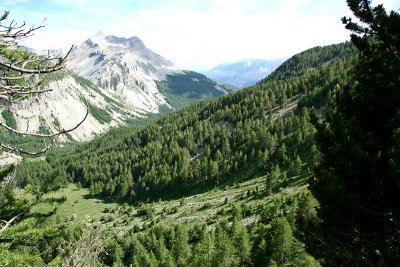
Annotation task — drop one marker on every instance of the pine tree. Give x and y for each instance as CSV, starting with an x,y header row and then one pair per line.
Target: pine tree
x,y
282,241
140,255
358,179
204,251
225,252
180,245
242,242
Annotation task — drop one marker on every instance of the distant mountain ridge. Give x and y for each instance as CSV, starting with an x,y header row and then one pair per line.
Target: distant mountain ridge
x,y
245,72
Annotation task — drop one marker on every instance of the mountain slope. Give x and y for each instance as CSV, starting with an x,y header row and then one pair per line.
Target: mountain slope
x,y
124,67
181,89
254,130
65,107
243,73
121,80
127,68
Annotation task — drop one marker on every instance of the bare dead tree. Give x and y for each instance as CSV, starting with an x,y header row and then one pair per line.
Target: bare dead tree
x,y
86,250
19,77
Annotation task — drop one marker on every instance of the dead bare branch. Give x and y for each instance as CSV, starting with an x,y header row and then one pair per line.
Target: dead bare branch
x,y
17,91
19,32
12,88
9,222
41,64
8,128
21,77
86,250
11,148
17,68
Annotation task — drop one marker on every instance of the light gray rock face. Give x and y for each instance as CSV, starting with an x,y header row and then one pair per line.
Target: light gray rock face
x,y
123,66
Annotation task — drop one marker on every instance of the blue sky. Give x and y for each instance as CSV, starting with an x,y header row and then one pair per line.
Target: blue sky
x,y
194,34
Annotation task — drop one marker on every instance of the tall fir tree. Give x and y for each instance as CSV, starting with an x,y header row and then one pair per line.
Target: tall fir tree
x,y
358,178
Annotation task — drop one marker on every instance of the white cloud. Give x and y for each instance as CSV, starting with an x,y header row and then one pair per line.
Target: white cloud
x,y
225,32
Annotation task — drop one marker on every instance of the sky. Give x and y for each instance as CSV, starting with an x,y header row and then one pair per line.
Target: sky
x,y
194,34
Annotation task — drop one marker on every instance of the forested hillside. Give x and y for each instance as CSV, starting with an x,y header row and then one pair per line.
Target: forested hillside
x,y
262,135
256,131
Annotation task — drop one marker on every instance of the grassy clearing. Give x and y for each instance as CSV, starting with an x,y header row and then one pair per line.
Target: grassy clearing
x,y
77,207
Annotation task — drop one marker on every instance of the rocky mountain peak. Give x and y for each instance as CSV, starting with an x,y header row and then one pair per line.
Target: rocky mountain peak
x,y
132,42
104,41
124,66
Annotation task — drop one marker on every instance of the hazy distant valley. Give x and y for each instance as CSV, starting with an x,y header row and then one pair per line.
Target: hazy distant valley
x,y
243,73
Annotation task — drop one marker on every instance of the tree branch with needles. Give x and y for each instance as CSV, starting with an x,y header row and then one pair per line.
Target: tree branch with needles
x,y
19,71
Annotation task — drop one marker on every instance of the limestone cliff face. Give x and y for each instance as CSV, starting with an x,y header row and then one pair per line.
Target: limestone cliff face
x,y
123,66
64,107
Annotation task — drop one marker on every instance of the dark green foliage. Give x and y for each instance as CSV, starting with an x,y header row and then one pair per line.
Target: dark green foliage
x,y
310,59
226,244
180,248
26,239
162,159
358,180
37,173
28,143
146,210
100,114
196,85
8,116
